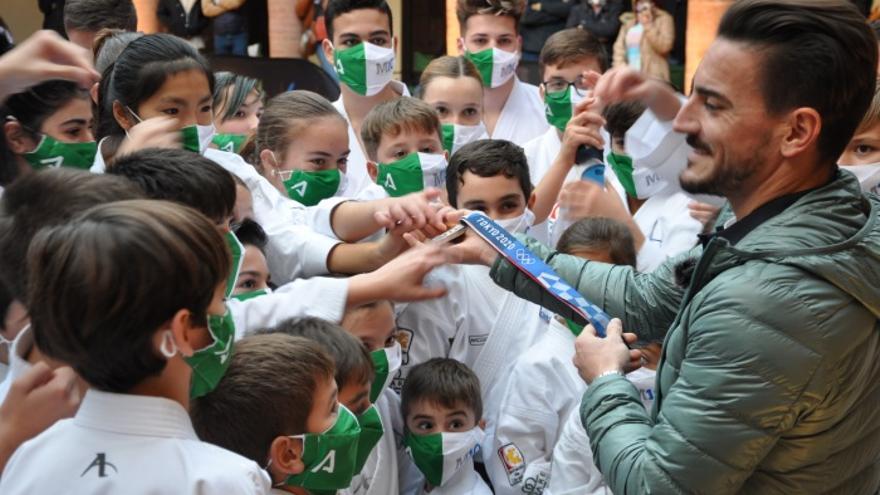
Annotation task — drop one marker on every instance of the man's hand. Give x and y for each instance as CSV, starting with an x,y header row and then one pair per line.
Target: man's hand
x,y
595,355
35,402
626,84
413,211
42,57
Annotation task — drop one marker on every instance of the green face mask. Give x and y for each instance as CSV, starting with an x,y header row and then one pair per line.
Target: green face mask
x,y
574,327
412,173
196,138
371,432
440,455
386,362
237,251
210,364
559,107
365,68
455,136
229,142
244,296
496,66
623,169
329,457
53,153
309,188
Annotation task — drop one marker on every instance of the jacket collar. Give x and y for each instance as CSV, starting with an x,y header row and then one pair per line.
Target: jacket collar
x,y
134,415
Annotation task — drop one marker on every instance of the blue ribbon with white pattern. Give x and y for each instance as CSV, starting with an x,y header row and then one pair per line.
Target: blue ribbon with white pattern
x,y
526,261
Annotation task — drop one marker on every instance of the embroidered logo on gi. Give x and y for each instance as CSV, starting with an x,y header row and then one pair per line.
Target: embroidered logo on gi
x,y
478,339
101,463
535,485
404,337
514,463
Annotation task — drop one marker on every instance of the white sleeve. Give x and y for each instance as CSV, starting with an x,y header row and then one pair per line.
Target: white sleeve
x,y
574,472
296,251
527,426
319,297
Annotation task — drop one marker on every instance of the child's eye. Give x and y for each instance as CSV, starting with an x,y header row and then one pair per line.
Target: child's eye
x,y
428,149
206,109
239,115
509,206
73,133
479,41
441,110
400,154
470,112
456,424
342,161
425,425
247,284
350,42
319,162
171,111
864,149
379,41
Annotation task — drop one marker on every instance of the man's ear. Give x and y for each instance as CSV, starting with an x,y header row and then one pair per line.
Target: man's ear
x,y
285,458
123,116
19,140
327,46
373,170
803,129
532,198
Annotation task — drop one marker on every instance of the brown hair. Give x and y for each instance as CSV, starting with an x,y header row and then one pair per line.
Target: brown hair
x,y
819,54
448,66
102,285
268,391
872,117
598,233
570,46
442,381
353,362
394,117
465,9
285,116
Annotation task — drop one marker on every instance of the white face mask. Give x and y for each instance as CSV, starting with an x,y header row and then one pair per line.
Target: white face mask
x,y
441,456
519,224
868,175
462,135
206,135
496,66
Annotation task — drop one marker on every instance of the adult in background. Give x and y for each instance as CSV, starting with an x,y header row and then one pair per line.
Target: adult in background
x,y
539,21
599,17
645,40
768,382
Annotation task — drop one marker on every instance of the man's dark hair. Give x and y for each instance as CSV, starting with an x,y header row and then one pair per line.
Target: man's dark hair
x,y
353,362
102,285
250,232
336,8
487,158
445,382
94,15
182,177
49,197
571,46
819,54
268,391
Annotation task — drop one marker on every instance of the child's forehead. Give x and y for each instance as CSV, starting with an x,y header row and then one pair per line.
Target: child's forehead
x,y
409,131
491,188
437,409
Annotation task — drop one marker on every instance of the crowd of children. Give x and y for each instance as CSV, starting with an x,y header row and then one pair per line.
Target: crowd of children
x,y
205,290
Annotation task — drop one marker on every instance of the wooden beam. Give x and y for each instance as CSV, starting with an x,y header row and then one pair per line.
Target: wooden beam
x,y
702,25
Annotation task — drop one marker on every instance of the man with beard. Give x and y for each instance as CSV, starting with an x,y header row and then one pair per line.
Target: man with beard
x,y
769,376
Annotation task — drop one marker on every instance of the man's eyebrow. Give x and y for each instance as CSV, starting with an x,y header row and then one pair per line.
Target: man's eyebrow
x,y
711,93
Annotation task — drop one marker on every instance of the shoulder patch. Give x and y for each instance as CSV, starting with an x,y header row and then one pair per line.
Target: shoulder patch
x,y
514,463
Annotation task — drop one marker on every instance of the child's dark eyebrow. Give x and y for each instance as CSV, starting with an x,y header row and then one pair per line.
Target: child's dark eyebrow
x,y
422,416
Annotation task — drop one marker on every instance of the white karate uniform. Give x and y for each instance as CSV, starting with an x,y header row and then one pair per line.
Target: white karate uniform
x,y
522,118
18,364
121,443
319,297
356,173
574,472
544,388
465,482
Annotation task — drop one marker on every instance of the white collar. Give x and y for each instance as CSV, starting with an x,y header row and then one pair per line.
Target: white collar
x,y
21,345
134,415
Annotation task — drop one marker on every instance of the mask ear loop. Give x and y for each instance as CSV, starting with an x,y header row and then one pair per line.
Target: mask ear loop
x,y
168,347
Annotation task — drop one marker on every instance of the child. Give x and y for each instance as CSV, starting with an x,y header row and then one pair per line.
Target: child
x,y
238,105
404,146
44,199
156,273
50,125
490,38
84,18
354,378
544,387
360,42
454,88
253,279
444,428
862,154
276,399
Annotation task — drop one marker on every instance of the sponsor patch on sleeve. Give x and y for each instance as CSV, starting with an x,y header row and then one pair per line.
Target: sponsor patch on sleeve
x,y
514,463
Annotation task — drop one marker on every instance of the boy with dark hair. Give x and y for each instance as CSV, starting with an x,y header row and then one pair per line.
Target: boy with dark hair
x,y
277,397
43,199
490,38
354,377
476,323
361,43
139,336
403,142
443,411
254,278
84,18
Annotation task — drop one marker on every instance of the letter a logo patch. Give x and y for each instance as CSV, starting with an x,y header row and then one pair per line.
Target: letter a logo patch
x,y
101,463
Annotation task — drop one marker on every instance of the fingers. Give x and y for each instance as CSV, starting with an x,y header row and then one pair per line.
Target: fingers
x,y
384,219
412,240
630,338
585,136
423,293
38,375
615,329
